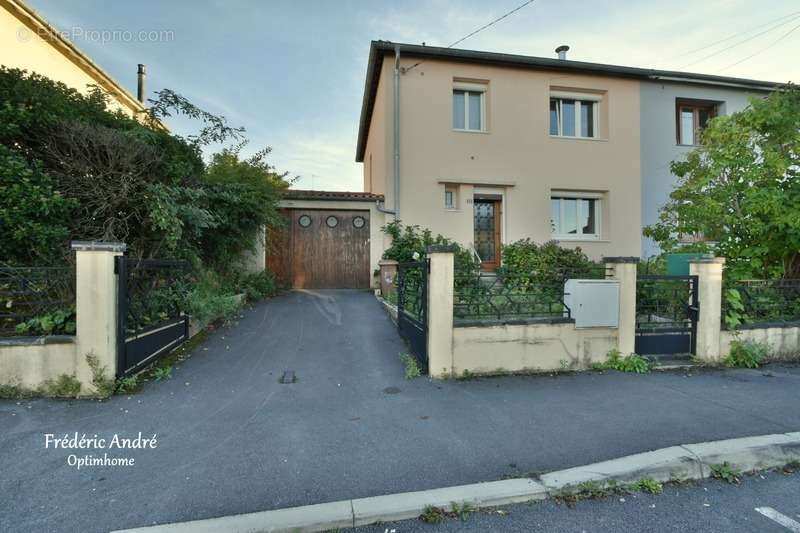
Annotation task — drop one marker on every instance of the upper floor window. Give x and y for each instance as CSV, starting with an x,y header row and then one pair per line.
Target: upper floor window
x,y
575,215
692,118
469,106
574,114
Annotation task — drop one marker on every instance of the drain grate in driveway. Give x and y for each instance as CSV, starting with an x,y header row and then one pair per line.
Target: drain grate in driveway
x,y
288,377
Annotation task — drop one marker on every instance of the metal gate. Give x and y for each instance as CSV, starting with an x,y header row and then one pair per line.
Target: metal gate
x,y
150,320
412,308
666,315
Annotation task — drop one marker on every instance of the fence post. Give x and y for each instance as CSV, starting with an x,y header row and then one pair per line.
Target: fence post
x,y
440,310
96,306
624,270
709,295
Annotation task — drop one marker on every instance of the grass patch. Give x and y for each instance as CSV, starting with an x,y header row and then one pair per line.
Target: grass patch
x,y
411,368
432,515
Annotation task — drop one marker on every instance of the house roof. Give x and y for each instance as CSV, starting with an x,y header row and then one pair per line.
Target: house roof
x,y
378,49
43,29
302,194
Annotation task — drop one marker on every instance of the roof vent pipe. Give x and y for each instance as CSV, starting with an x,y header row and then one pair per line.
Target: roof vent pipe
x,y
562,51
140,84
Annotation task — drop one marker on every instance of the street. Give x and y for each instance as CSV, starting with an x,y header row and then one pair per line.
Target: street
x,y
710,506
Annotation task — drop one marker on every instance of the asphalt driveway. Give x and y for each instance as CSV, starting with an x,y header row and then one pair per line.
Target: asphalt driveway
x,y
231,439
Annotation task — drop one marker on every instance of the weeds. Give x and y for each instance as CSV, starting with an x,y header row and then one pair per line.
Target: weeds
x,y
746,354
726,473
649,485
103,385
64,386
162,372
435,515
128,385
15,392
432,515
630,363
463,510
411,367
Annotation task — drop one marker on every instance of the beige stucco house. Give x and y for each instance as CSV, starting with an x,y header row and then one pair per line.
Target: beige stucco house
x,y
28,42
489,148
492,150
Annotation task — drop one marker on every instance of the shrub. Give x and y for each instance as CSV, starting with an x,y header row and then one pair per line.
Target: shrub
x,y
53,322
257,285
211,298
746,354
630,363
532,265
410,240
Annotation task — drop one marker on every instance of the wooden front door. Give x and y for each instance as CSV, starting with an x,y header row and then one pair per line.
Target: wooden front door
x,y
487,224
322,249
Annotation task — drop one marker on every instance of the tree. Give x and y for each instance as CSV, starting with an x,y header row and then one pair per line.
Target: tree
x,y
740,190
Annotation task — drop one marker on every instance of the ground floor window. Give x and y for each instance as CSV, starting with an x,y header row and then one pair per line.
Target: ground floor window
x,y
575,215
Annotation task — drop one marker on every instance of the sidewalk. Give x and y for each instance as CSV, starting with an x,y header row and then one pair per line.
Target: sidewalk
x,y
233,440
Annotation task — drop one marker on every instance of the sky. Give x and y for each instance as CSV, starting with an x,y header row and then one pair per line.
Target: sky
x,y
291,72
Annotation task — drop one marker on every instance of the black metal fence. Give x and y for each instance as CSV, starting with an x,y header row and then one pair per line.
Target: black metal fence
x,y
667,309
412,308
515,295
37,301
151,316
760,302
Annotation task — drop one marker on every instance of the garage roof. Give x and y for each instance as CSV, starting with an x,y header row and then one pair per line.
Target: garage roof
x,y
303,194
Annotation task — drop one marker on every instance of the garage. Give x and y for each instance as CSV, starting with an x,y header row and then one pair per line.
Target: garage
x,y
325,243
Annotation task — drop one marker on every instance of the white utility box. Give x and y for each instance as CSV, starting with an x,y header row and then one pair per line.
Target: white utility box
x,y
593,302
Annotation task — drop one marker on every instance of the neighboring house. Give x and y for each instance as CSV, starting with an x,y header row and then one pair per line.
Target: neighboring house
x,y
673,110
493,148
28,42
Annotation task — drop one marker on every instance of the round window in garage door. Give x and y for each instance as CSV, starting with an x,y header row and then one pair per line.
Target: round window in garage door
x,y
332,221
358,222
304,221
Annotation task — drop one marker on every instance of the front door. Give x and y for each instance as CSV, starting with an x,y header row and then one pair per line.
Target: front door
x,y
487,232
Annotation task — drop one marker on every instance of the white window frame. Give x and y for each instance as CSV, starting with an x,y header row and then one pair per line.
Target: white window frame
x,y
452,204
467,88
559,96
598,197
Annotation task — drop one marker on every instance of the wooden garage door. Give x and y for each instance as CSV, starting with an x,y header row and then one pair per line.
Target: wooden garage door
x,y
323,249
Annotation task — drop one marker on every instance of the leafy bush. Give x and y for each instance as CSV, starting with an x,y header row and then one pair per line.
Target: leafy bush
x,y
746,354
258,285
533,265
210,299
54,322
410,243
33,213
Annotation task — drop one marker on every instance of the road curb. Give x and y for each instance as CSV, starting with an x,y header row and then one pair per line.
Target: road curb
x,y
687,461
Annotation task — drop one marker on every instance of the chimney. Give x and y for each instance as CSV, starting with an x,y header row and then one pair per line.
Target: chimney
x,y
140,84
562,51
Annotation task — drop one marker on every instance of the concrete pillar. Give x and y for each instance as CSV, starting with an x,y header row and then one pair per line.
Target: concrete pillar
x,y
440,311
255,260
709,295
388,275
96,307
624,270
